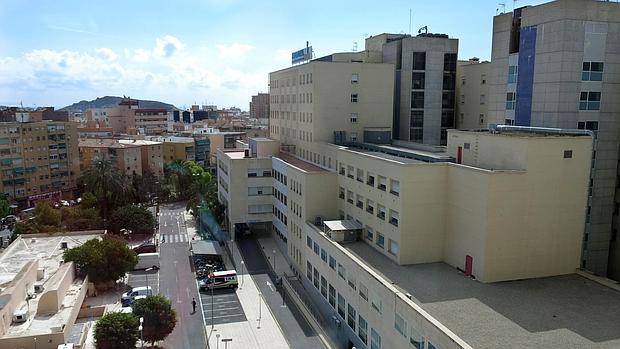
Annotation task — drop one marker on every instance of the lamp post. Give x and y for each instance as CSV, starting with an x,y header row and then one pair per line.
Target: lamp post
x,y
147,270
259,309
141,329
217,336
212,287
274,262
241,274
35,342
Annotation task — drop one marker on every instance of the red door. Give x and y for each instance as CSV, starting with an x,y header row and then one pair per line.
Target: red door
x,y
459,155
469,264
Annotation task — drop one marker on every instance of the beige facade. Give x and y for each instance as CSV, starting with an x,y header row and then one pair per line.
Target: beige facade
x,y
151,154
176,148
472,91
126,157
128,118
38,160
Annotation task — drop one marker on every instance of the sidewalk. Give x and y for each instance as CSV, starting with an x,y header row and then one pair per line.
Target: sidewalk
x,y
251,333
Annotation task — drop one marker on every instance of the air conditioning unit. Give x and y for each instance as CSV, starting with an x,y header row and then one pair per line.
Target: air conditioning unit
x,y
63,245
20,316
38,287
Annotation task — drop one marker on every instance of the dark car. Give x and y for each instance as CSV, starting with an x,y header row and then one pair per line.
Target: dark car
x,y
145,247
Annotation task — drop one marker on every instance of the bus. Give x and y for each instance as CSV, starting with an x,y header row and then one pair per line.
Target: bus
x,y
219,279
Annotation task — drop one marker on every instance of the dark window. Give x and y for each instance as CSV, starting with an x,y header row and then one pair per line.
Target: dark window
x,y
417,99
447,118
449,81
568,154
449,61
588,125
447,100
419,61
417,82
416,135
417,118
590,100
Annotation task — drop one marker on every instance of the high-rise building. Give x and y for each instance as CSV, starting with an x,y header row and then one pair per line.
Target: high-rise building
x,y
38,159
424,84
259,106
472,90
555,65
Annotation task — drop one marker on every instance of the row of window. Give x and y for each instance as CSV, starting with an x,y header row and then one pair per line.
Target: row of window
x,y
381,183
303,80
280,196
370,206
259,173
280,216
588,100
280,177
591,71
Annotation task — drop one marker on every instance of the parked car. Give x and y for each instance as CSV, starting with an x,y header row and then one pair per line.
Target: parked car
x,y
145,247
130,296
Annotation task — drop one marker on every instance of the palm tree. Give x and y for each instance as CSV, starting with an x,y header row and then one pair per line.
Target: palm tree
x,y
106,181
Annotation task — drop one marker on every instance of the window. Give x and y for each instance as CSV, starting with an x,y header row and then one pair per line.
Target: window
x,y
350,171
341,271
360,201
360,175
419,61
512,74
324,287
449,61
417,99
481,118
400,324
394,218
353,97
332,262
309,270
375,339
369,234
417,118
381,211
309,241
417,81
447,100
351,281
416,340
353,117
370,179
350,196
592,71
449,81
341,193
510,100
509,122
382,183
351,316
316,278
355,77
341,305
353,136
431,346
395,187
316,249
590,100
380,240
363,292
483,99
370,206
332,296
324,255
568,154
416,135
363,330
588,125
342,171
393,247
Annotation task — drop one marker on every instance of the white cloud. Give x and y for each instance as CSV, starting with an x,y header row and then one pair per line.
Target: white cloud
x,y
107,53
168,46
141,55
234,51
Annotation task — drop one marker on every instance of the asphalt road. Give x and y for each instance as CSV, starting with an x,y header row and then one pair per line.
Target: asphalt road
x,y
296,329
176,280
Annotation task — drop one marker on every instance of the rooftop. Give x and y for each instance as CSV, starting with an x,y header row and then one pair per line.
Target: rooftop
x,y
568,311
301,164
138,142
103,143
403,155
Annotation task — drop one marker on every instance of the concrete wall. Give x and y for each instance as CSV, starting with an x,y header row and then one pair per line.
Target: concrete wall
x,y
55,290
15,293
472,94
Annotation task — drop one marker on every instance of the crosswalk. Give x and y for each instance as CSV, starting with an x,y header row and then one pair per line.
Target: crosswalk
x,y
173,238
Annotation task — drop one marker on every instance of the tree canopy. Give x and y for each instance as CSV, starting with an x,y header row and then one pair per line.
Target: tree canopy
x,y
116,330
102,260
135,218
107,183
5,206
159,317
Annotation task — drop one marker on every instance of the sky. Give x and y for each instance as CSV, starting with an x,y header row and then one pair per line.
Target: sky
x,y
184,52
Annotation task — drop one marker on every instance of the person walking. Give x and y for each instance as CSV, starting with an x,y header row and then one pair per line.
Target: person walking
x,y
193,305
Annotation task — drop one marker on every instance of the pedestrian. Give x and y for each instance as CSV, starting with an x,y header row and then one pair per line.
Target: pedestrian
x,y
193,305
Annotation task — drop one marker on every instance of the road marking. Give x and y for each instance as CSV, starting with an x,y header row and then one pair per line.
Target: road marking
x,y
270,287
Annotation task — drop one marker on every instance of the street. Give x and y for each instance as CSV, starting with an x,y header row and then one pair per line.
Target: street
x,y
176,280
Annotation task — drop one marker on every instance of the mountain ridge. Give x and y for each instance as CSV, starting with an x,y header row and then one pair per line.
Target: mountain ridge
x,y
111,101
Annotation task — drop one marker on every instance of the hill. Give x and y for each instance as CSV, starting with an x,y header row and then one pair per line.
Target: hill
x,y
111,101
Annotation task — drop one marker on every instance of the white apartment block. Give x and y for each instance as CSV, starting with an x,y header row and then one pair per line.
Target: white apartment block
x,y
472,93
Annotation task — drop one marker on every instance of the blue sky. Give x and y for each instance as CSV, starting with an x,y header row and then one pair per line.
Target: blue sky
x,y
196,51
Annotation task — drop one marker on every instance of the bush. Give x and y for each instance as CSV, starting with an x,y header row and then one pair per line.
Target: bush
x,y
116,331
102,260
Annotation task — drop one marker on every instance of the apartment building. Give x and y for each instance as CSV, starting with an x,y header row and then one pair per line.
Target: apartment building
x,y
126,157
472,92
128,118
221,140
176,148
555,65
259,106
38,159
151,155
424,83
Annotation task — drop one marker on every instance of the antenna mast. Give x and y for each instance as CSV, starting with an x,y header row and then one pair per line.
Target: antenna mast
x,y
409,21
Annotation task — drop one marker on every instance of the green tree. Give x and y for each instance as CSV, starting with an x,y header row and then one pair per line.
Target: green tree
x,y
116,331
89,200
106,182
159,317
46,218
81,218
102,260
135,218
5,206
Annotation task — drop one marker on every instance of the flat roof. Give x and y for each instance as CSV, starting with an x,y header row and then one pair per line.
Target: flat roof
x,y
205,247
103,143
339,225
567,311
399,154
301,164
234,154
138,142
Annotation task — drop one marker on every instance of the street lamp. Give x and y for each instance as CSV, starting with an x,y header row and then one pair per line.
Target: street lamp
x,y
217,336
212,287
141,329
35,342
241,274
274,262
259,309
147,270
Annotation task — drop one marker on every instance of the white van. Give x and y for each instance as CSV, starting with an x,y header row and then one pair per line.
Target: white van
x,y
128,297
148,260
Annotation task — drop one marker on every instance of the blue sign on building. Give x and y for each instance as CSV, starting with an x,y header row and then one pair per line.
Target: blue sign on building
x,y
301,55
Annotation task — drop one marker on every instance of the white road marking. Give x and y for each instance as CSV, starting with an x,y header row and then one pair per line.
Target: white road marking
x,y
270,287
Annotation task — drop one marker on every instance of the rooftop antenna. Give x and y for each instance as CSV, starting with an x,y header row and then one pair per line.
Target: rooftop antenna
x,y
503,8
354,46
514,4
410,21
